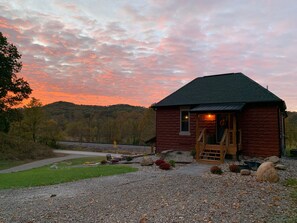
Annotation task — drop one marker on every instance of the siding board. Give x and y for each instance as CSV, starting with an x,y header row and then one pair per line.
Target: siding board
x,y
260,133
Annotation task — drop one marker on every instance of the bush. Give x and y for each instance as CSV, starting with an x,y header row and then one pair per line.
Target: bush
x,y
164,166
172,163
234,168
15,148
114,161
103,162
216,170
159,162
129,158
193,153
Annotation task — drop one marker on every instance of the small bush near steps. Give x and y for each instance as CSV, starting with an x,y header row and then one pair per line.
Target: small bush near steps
x,y
234,168
165,166
172,163
159,162
216,170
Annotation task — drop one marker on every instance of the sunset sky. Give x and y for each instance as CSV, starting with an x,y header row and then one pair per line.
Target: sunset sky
x,y
104,52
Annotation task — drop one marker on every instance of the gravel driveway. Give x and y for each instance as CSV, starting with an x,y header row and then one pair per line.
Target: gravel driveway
x,y
188,193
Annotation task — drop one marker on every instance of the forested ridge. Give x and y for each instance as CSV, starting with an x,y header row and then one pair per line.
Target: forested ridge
x,y
122,123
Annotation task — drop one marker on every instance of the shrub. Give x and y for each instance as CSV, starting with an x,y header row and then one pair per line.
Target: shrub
x,y
129,158
172,163
15,148
216,170
164,166
114,161
103,162
193,153
234,168
159,162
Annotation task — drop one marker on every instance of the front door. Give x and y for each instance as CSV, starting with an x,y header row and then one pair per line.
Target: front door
x,y
222,124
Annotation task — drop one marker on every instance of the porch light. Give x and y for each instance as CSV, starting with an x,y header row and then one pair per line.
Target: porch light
x,y
209,117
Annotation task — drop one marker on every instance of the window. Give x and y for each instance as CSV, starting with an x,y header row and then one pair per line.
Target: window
x,y
184,121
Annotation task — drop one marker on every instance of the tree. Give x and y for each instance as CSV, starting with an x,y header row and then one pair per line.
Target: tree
x,y
12,89
33,117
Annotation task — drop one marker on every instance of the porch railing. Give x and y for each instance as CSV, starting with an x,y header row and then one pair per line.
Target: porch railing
x,y
200,143
224,144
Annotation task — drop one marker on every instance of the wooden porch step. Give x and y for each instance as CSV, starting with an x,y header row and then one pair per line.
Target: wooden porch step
x,y
210,156
211,152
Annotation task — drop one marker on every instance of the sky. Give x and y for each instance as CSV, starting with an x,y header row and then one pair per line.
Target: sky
x,y
103,52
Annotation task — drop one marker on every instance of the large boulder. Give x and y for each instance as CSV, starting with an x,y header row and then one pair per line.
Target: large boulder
x,y
146,161
267,172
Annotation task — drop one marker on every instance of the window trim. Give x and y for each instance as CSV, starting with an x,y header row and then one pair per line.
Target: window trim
x,y
184,133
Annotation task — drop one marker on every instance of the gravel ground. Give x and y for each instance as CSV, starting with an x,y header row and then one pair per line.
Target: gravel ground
x,y
189,193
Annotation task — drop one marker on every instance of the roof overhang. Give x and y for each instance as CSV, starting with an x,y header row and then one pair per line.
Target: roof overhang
x,y
223,107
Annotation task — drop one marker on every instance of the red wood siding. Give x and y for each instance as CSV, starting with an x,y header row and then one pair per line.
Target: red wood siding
x,y
260,131
168,130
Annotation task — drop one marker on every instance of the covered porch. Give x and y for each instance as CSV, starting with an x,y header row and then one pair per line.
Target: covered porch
x,y
217,132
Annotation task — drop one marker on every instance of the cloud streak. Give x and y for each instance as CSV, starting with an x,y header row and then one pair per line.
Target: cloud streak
x,y
137,52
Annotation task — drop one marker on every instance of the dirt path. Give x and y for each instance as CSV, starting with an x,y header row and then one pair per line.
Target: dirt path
x,y
44,162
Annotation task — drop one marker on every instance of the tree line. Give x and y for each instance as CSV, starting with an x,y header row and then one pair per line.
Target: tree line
x,y
48,124
124,124
291,130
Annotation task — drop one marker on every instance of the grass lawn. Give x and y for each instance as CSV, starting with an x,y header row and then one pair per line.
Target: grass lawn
x,y
292,183
67,171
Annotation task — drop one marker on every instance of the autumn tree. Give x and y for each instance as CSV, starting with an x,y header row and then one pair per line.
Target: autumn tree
x,y
12,88
33,117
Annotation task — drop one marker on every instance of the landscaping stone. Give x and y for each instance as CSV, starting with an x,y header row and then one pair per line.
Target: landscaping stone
x,y
146,161
177,156
267,172
54,166
280,167
245,172
108,157
164,153
273,159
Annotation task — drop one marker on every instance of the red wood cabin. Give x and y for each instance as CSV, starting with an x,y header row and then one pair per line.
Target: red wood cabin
x,y
219,115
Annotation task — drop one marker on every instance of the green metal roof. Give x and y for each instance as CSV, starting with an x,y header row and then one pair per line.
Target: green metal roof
x,y
222,88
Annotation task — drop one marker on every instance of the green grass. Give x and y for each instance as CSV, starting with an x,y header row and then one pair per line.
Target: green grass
x,y
66,172
292,182
80,161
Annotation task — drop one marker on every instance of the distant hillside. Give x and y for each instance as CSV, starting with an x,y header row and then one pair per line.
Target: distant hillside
x,y
124,123
70,111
